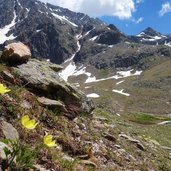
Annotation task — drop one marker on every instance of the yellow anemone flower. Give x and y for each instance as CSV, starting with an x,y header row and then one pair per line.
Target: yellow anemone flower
x,y
3,89
48,141
28,123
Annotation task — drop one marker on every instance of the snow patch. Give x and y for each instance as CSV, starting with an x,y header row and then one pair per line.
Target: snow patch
x,y
93,38
38,30
19,4
87,87
89,31
120,82
152,38
121,92
63,18
164,122
141,34
93,95
28,10
78,37
82,17
41,12
6,29
70,69
120,74
128,73
167,44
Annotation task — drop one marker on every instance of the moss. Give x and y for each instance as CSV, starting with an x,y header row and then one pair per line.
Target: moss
x,y
145,118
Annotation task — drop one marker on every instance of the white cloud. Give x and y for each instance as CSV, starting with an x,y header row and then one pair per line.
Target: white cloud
x,y
139,1
166,7
139,20
120,8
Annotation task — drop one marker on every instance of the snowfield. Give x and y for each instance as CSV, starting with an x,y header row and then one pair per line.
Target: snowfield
x,y
6,29
93,95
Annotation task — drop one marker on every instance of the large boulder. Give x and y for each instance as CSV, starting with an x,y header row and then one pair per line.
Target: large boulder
x,y
42,79
16,53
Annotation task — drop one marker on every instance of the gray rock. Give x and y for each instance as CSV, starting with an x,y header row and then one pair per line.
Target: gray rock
x,y
40,168
137,142
9,131
109,136
43,80
25,104
8,76
66,157
50,103
140,146
55,67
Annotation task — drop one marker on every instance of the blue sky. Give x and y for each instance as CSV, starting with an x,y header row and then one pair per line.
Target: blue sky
x,y
149,12
130,16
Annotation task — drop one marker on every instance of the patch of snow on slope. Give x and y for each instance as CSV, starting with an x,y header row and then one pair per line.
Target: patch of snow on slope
x,y
82,17
82,70
63,18
70,69
120,82
93,38
19,4
152,38
41,12
93,95
38,30
78,37
141,34
121,92
6,29
164,122
28,10
120,74
90,79
128,73
89,31
167,44
87,87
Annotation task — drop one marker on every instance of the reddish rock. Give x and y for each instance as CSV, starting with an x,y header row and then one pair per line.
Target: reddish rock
x,y
16,53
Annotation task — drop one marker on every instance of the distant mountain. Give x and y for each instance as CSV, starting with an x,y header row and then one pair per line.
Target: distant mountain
x,y
152,37
62,36
50,31
151,32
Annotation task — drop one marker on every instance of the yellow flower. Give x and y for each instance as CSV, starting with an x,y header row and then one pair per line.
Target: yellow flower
x,y
3,89
28,123
105,124
48,141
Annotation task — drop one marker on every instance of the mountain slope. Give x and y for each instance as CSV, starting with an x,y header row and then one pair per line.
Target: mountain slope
x,y
100,141
89,50
43,27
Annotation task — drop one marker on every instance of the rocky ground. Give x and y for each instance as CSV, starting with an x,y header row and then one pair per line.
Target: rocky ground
x,y
86,140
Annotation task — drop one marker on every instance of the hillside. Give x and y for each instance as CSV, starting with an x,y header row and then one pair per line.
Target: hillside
x,y
101,140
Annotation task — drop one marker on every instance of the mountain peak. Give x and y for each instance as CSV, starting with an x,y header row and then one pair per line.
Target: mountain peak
x,y
151,32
